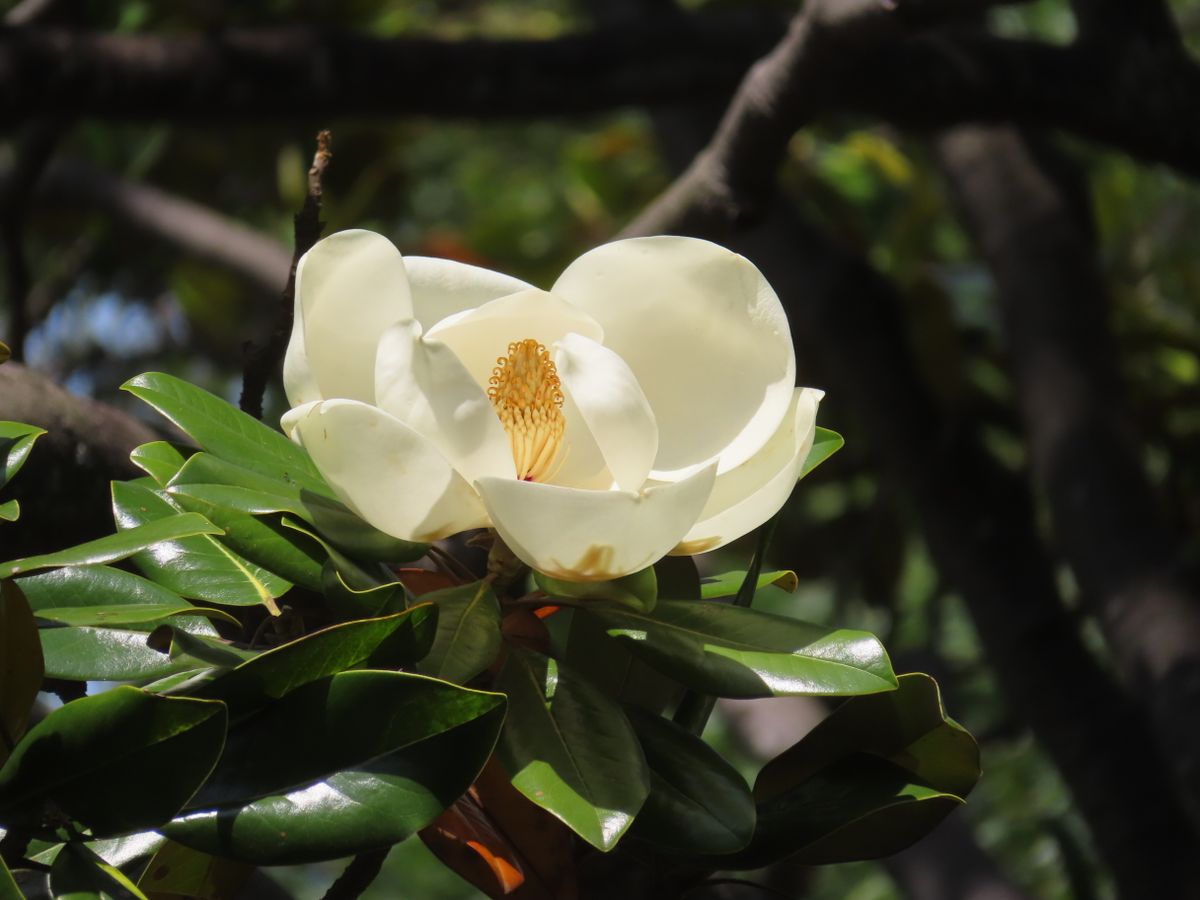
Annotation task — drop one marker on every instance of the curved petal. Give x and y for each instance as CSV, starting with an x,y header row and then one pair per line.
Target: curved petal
x,y
349,287
581,463
443,287
705,335
388,473
423,384
480,336
611,402
290,419
582,535
745,497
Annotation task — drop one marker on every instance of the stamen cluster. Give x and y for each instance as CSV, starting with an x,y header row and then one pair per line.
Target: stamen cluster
x,y
526,393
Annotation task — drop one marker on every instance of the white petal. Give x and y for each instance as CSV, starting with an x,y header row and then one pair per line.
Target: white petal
x,y
387,472
349,287
611,402
745,497
581,464
290,419
480,336
423,384
443,287
705,335
583,535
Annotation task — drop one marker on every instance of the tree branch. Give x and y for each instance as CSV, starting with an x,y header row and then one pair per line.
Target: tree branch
x,y
263,360
1080,434
63,488
189,226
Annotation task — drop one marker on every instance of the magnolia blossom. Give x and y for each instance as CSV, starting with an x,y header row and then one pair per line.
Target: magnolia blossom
x,y
643,406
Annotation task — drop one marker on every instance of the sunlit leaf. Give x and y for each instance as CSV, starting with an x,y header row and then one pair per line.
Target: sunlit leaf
x,y
79,874
730,651
569,748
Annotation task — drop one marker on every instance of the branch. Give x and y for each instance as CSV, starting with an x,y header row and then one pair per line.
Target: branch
x,y
358,875
306,72
1079,430
263,360
63,488
189,226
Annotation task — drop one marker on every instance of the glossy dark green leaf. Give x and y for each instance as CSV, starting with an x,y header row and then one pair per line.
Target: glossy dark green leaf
x,y
225,431
638,591
873,777
390,641
21,665
612,668
698,803
10,511
115,546
210,479
729,651
79,873
570,749
113,654
8,887
825,444
200,567
727,584
130,613
160,459
263,541
468,632
16,441
384,754
119,761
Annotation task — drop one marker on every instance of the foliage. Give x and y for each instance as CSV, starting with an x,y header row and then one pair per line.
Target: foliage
x,y
248,732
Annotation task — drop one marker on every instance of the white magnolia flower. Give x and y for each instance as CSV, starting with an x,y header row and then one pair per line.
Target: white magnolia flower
x,y
642,406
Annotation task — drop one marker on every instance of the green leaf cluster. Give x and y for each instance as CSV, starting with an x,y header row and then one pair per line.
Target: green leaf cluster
x,y
289,695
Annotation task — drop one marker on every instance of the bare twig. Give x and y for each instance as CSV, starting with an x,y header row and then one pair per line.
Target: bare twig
x,y
263,361
357,876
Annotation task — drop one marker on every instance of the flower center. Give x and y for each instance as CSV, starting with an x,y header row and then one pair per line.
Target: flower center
x,y
527,396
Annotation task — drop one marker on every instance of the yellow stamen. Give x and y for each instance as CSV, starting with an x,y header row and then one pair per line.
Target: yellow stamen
x,y
527,396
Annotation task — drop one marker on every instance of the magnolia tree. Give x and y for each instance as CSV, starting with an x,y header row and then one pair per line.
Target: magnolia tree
x,y
292,656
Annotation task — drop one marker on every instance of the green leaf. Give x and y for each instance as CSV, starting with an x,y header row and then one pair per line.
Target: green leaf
x,y
384,754
160,459
825,444
10,511
177,872
112,654
263,541
115,546
21,665
612,668
79,874
390,641
118,761
569,748
873,777
8,887
639,590
16,440
130,613
201,567
730,651
210,479
103,586
468,632
698,803
225,431
727,584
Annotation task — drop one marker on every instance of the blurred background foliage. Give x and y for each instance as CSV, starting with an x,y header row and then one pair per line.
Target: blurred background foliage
x,y
526,197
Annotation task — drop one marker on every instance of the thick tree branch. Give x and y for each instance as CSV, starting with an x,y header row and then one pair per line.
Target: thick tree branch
x,y
189,226
1080,433
317,72
63,488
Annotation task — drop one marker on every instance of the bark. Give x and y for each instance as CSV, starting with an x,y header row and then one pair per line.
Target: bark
x,y
63,487
1086,455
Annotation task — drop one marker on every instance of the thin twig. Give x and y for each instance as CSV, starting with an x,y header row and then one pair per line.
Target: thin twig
x,y
357,877
263,361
